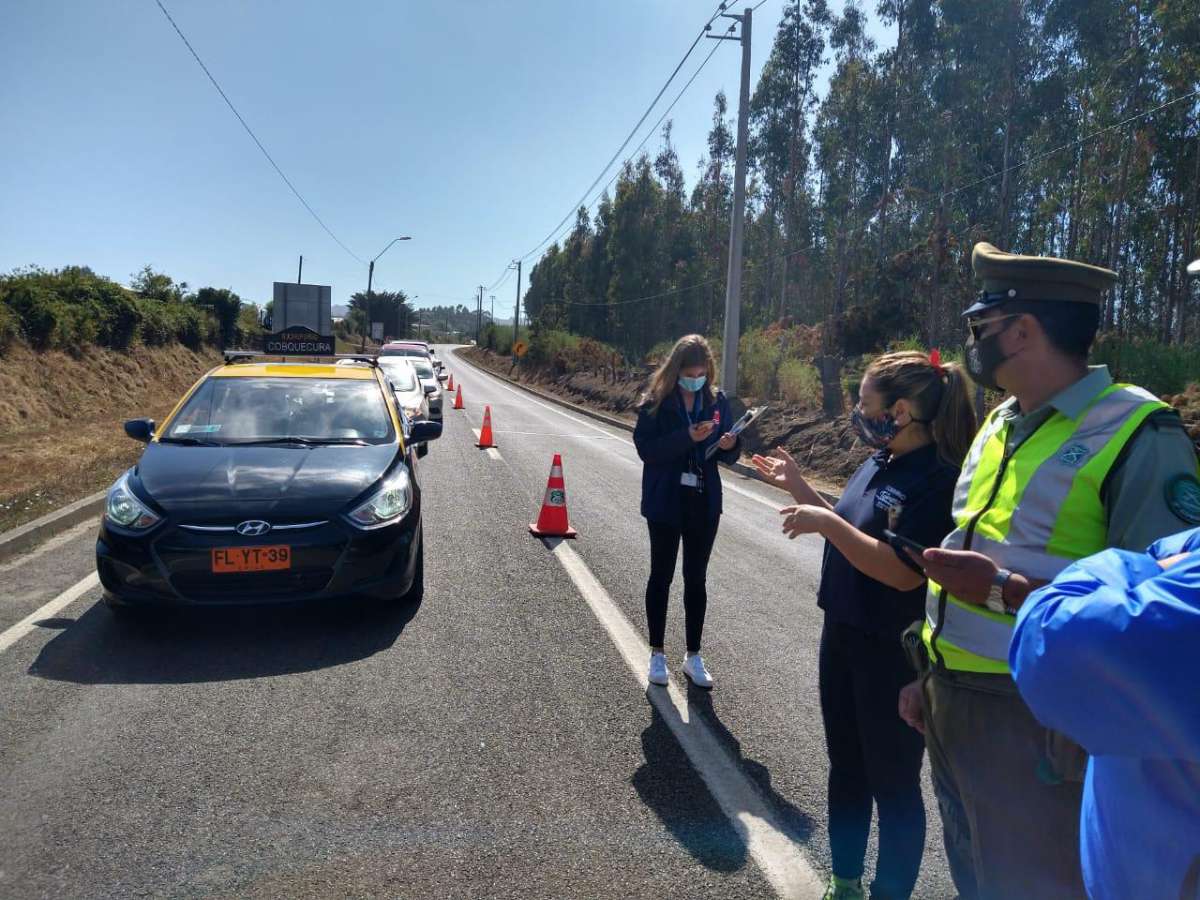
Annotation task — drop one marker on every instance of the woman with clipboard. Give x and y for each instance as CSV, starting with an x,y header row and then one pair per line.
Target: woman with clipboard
x,y
682,414
917,415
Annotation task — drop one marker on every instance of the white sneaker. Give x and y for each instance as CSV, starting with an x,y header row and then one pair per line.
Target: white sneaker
x,y
693,668
658,669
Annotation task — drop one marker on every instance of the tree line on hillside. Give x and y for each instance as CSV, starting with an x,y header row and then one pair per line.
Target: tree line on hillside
x,y
1012,121
73,307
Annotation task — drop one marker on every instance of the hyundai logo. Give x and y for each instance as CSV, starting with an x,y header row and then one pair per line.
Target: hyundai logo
x,y
253,528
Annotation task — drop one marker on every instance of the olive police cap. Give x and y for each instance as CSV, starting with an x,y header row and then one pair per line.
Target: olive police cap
x,y
1010,277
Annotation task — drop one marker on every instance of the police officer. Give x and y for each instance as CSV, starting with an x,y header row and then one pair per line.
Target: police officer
x,y
1070,464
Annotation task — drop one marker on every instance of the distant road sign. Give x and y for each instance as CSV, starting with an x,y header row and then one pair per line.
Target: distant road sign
x,y
519,348
377,331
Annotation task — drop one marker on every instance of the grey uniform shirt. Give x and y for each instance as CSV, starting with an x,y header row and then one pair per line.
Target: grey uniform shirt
x,y
1136,492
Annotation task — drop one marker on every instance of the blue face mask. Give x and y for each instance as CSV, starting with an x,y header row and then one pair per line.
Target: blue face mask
x,y
692,384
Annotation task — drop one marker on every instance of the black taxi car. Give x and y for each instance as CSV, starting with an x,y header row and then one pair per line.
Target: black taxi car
x,y
269,482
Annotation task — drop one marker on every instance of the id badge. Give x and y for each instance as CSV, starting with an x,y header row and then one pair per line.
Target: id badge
x,y
690,479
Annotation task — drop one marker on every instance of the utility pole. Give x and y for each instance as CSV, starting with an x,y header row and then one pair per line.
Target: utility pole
x,y
479,320
493,296
300,272
517,308
733,283
362,346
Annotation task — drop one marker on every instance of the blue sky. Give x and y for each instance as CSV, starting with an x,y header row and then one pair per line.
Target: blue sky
x,y
472,126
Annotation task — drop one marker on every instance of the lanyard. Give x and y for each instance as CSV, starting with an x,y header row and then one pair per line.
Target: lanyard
x,y
692,417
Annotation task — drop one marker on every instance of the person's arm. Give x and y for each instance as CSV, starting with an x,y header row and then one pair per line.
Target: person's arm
x,y
1135,493
653,447
874,558
729,448
1107,654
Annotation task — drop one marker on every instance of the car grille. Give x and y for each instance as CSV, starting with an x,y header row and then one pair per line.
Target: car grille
x,y
206,587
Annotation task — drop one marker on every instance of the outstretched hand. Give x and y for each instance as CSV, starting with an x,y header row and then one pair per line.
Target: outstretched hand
x,y
779,468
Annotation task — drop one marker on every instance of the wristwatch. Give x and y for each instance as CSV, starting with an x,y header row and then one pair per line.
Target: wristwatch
x,y
995,598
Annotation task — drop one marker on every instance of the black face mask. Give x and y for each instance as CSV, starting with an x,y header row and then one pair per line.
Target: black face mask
x,y
984,357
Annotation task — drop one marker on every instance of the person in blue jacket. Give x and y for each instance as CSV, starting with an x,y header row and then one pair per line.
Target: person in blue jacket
x,y
1109,654
681,415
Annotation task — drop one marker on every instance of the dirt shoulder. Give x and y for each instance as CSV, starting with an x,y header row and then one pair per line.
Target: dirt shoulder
x,y
61,435
827,449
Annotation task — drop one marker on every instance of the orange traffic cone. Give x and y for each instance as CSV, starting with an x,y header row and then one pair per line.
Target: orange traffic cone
x,y
552,521
458,404
485,433
450,383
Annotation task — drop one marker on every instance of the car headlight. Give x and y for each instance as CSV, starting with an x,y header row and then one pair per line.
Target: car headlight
x,y
123,508
388,504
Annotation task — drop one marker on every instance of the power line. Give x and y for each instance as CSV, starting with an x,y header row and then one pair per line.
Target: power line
x,y
629,137
653,130
253,136
849,232
1077,143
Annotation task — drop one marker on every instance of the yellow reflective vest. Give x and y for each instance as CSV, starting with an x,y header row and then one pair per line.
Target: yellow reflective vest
x,y
1033,509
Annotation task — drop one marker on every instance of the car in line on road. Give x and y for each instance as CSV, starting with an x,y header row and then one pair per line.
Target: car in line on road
x,y
411,394
430,383
269,482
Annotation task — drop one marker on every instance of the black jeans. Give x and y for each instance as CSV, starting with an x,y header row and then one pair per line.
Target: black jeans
x,y
874,758
697,535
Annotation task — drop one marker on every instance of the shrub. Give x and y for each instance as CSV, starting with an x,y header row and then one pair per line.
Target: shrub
x,y
10,327
799,383
1160,368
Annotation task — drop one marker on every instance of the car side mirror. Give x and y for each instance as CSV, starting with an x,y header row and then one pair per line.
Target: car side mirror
x,y
140,429
424,430
431,388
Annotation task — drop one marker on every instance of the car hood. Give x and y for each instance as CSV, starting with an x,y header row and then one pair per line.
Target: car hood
x,y
283,481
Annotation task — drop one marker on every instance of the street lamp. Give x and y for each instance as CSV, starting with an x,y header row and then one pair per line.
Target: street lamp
x,y
370,276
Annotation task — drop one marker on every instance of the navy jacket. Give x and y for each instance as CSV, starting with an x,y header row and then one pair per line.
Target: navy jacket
x,y
663,443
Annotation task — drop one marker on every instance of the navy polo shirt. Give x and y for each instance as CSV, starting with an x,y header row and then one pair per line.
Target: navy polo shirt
x,y
922,485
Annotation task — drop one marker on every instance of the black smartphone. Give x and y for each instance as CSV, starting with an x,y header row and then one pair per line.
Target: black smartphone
x,y
900,542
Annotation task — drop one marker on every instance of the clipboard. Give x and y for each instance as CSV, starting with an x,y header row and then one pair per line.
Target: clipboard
x,y
738,427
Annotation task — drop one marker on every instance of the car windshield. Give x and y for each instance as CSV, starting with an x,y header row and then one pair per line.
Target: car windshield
x,y
424,368
402,351
400,373
313,410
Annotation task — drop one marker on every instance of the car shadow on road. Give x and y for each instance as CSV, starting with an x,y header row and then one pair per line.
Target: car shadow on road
x,y
670,786
219,644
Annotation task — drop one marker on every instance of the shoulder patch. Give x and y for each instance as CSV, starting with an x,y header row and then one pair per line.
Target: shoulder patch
x,y
1183,498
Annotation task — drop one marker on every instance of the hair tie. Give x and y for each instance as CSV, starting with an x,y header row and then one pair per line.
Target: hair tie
x,y
935,360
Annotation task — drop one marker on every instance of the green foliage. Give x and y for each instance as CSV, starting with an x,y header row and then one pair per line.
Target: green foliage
x,y
10,327
226,307
799,383
844,227
1162,369
70,308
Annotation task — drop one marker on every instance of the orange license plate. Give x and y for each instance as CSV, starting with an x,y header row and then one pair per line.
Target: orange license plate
x,y
251,559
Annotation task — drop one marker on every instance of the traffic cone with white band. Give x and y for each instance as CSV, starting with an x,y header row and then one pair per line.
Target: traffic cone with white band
x,y
552,521
458,404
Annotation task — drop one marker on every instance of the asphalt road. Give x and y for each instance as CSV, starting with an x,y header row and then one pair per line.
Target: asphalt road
x,y
496,741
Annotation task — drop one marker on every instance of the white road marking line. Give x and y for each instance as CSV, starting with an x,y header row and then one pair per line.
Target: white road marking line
x,y
737,489
781,860
15,632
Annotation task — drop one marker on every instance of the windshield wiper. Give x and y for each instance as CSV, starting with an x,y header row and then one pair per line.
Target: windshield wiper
x,y
189,441
305,442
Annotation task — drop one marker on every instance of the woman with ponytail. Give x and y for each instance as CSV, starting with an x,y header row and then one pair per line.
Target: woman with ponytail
x,y
916,412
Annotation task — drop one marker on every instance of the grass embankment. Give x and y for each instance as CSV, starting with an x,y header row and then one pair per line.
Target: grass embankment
x,y
61,435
